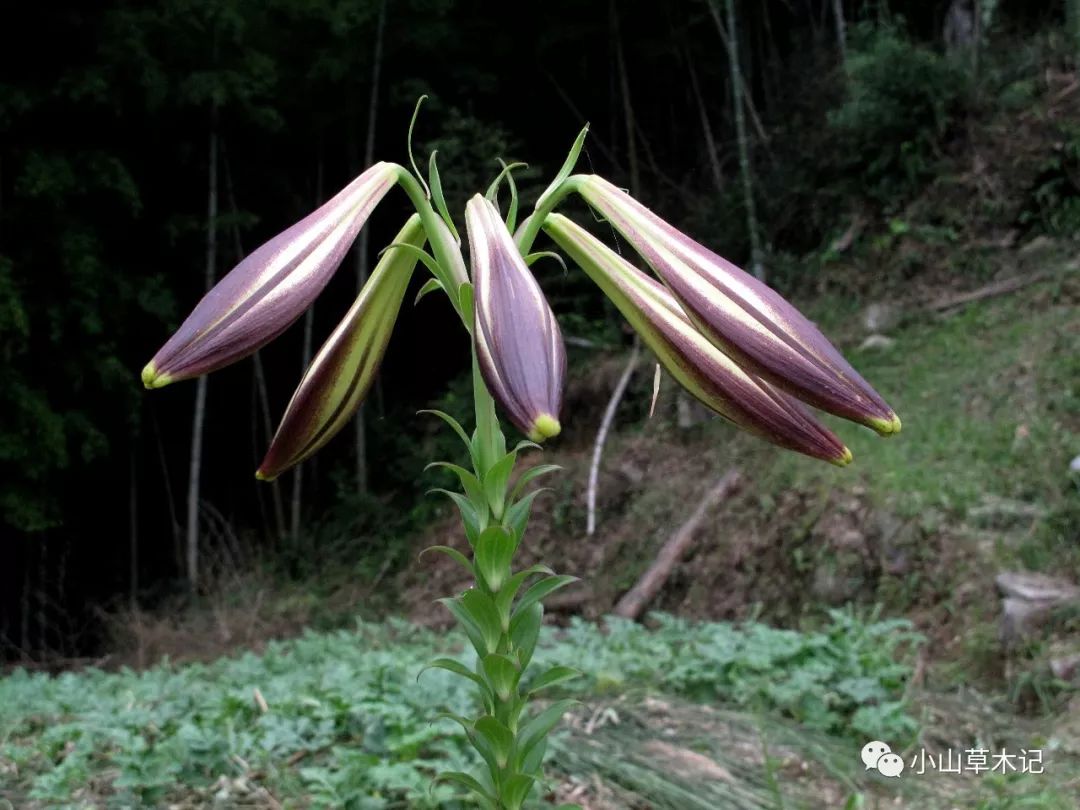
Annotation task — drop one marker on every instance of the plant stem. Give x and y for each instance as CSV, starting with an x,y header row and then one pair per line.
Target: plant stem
x,y
530,228
487,423
444,249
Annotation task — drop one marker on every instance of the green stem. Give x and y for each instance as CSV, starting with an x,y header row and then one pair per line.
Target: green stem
x,y
530,228
487,422
445,249
510,742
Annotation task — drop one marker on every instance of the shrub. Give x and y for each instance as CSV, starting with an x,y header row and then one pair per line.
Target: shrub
x,y
901,97
1053,205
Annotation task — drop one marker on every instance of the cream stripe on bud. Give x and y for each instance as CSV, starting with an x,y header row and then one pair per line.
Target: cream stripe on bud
x,y
702,369
271,287
519,346
742,316
341,374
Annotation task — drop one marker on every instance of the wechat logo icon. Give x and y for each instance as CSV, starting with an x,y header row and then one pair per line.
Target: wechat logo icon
x,y
877,756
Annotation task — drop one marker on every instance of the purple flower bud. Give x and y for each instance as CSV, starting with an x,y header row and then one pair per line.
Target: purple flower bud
x,y
703,370
742,316
341,374
519,346
271,287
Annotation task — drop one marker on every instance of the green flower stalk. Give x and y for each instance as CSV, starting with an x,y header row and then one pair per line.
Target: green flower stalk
x,y
518,342
341,374
262,296
743,317
730,341
707,373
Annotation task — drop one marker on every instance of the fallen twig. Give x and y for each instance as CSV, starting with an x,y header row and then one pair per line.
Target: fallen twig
x,y
649,585
989,291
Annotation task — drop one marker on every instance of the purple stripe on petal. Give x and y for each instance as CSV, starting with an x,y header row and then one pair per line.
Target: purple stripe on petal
x,y
741,315
272,286
706,372
342,372
519,346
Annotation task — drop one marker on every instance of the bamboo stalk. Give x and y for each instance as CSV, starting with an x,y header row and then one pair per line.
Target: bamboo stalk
x,y
601,437
199,416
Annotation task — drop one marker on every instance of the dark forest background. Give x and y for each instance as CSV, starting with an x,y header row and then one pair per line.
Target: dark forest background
x,y
109,115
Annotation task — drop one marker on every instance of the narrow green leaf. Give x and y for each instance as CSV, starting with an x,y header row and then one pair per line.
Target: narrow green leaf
x,y
430,285
567,167
482,610
418,253
465,299
412,160
513,710
496,451
505,597
469,783
492,192
524,633
469,482
553,676
474,520
467,622
539,590
464,722
494,551
437,196
502,674
533,732
532,258
495,483
458,668
516,517
530,475
516,790
532,762
466,781
525,443
453,554
498,736
512,211
453,423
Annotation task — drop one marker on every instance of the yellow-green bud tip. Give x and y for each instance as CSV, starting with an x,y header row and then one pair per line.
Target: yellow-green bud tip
x,y
844,459
261,476
151,378
886,427
545,427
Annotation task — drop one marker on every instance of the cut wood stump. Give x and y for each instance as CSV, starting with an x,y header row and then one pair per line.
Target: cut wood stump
x,y
634,602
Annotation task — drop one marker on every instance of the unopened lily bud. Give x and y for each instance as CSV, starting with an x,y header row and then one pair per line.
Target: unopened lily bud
x,y
271,287
341,374
519,346
743,317
703,370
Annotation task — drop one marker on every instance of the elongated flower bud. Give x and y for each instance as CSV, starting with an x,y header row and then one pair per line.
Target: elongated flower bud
x,y
703,370
519,346
742,316
341,374
259,298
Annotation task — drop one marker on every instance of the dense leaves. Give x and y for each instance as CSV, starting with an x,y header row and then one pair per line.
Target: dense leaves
x,y
342,720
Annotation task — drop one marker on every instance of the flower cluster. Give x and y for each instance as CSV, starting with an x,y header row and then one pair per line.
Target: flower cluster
x,y
727,338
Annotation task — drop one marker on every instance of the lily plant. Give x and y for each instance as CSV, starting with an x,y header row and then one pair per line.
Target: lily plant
x,y
728,339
